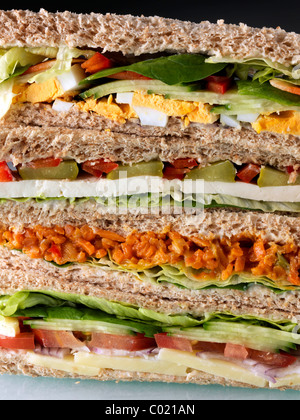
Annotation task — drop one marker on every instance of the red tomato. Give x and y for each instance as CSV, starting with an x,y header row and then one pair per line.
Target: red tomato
x,y
61,339
175,343
96,63
236,351
5,173
209,347
97,167
22,341
174,173
178,168
121,342
248,172
218,84
184,163
273,359
44,163
128,75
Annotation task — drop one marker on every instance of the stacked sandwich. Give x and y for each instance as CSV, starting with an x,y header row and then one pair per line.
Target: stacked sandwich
x,y
150,199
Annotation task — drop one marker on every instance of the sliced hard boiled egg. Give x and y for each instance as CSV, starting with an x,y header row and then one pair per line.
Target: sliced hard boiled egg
x,y
249,118
62,106
150,116
124,98
70,79
230,121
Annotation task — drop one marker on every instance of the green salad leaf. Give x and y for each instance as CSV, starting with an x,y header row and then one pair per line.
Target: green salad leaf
x,y
266,91
78,307
172,70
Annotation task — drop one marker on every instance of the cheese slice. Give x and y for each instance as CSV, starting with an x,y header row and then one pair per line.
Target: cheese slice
x,y
288,380
95,187
223,368
67,364
131,364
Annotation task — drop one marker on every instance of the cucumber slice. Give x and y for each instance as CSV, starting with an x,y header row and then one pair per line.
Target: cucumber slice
x,y
219,171
270,177
120,86
67,169
153,168
79,325
254,337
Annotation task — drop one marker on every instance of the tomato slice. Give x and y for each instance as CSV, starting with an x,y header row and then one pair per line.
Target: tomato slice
x,y
5,173
44,163
176,343
236,351
279,360
248,172
22,341
98,167
128,75
178,168
96,63
218,84
184,163
209,347
60,339
121,342
174,173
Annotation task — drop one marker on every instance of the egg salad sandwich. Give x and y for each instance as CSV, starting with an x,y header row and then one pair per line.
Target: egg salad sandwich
x,y
149,201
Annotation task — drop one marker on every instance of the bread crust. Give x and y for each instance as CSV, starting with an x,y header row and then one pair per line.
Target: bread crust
x,y
30,130
133,35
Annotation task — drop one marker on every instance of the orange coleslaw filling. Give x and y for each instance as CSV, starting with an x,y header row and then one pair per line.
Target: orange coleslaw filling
x,y
214,258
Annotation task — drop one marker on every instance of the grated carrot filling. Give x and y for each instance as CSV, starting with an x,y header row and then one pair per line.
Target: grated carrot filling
x,y
214,258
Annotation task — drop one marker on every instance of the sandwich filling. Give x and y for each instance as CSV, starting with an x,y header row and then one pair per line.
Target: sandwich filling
x,y
193,262
85,335
192,87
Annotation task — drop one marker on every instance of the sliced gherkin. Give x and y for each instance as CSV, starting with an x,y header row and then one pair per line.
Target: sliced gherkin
x,y
153,168
270,177
219,171
67,169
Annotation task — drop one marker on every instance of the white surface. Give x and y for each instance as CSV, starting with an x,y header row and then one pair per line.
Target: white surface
x,y
26,388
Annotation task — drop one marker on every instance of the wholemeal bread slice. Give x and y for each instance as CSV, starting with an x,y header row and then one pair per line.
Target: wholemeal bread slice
x,y
28,131
19,271
131,35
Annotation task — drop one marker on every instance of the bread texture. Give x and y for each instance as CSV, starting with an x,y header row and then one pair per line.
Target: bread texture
x,y
19,272
133,35
28,131
218,222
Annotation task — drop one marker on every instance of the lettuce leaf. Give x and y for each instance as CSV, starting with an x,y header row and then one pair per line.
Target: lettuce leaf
x,y
14,58
63,63
71,306
172,70
290,71
266,91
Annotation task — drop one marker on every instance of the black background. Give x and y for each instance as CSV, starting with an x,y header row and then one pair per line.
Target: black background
x,y
252,12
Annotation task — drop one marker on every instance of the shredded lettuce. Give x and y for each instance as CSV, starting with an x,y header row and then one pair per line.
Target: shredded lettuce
x,y
14,58
153,200
290,71
63,63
